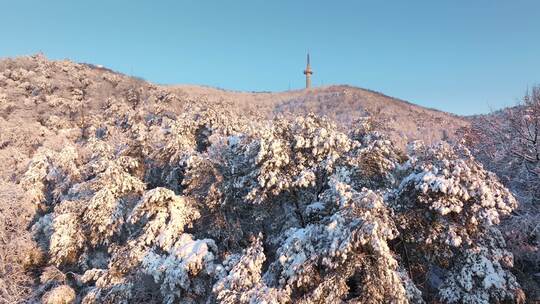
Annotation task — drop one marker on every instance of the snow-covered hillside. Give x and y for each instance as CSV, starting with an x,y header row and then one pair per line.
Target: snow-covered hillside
x,y
115,190
403,121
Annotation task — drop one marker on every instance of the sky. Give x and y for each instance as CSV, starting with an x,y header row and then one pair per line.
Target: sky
x,y
465,57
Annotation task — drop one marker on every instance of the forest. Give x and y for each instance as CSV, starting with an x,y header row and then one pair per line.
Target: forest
x,y
116,190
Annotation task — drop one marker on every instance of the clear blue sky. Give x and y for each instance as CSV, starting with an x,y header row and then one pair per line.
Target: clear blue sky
x,y
460,56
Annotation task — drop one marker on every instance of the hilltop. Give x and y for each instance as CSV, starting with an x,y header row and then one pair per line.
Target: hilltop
x,y
404,121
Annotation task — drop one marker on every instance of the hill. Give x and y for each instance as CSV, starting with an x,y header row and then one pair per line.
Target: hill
x,y
404,121
116,190
44,95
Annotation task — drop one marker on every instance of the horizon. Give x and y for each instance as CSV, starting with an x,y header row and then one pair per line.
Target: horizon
x,y
460,57
322,87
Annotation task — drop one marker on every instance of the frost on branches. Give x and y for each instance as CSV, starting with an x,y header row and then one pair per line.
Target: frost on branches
x,y
198,209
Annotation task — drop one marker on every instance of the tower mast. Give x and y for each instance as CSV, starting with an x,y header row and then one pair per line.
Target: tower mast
x,y
308,73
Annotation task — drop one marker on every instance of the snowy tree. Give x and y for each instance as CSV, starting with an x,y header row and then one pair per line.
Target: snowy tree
x,y
242,281
295,155
51,170
107,208
344,255
446,206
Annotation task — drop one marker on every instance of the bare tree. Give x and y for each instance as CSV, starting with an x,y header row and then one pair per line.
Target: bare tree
x,y
508,142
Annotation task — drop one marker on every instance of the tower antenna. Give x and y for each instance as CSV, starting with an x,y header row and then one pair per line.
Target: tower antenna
x,y
308,72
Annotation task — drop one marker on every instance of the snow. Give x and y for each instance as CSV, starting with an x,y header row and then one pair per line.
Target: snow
x,y
216,209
